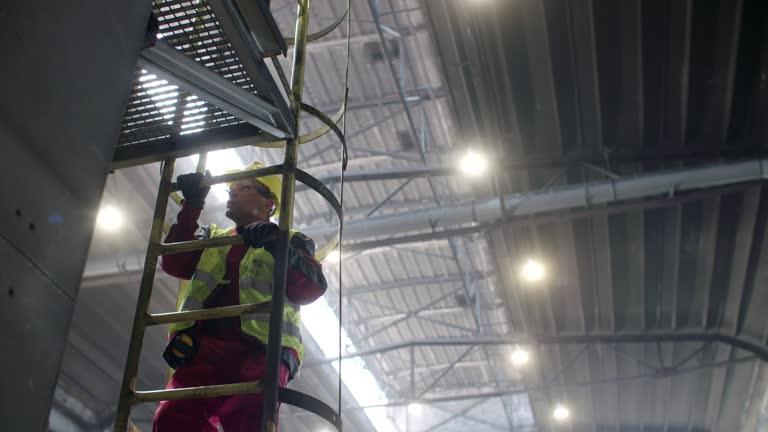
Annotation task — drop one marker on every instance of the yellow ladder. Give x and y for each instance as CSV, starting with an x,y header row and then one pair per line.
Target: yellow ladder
x,y
129,396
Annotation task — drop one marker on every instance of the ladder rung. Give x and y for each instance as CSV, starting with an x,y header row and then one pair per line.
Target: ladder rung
x,y
197,392
207,314
192,245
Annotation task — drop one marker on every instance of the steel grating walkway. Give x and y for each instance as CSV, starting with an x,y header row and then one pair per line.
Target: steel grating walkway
x,y
157,109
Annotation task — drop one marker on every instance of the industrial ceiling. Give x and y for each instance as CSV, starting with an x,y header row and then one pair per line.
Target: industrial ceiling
x,y
624,144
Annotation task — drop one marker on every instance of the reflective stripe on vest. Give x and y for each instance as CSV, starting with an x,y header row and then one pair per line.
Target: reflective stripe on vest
x,y
208,279
264,288
289,328
191,303
260,286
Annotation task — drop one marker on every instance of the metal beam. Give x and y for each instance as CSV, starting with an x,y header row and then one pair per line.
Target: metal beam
x,y
389,197
237,22
361,39
757,349
239,135
436,170
407,283
408,315
463,414
412,96
420,313
393,73
166,62
445,372
547,387
435,368
590,188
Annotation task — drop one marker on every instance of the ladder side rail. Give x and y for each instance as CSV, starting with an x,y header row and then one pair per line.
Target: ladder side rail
x,y
274,341
145,294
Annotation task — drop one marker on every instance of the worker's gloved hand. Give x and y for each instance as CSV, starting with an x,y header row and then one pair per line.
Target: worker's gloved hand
x,y
260,234
194,194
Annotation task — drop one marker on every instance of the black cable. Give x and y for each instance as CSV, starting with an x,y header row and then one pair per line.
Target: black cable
x,y
344,160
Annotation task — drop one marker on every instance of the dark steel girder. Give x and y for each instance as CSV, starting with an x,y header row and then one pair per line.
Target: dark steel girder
x,y
546,387
759,350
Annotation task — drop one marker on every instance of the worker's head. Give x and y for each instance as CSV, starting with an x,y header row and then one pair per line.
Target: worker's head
x,y
253,199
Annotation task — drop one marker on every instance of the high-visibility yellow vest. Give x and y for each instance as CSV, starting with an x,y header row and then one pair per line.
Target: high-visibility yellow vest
x,y
256,273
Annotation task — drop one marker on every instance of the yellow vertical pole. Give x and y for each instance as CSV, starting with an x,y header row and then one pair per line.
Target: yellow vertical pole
x,y
271,379
145,294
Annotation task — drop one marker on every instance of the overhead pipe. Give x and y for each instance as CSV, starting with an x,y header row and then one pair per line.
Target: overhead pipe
x,y
581,195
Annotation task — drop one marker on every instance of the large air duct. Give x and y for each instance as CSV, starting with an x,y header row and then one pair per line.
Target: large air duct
x,y
551,200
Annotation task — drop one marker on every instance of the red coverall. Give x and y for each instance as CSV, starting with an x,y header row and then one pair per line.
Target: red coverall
x,y
225,354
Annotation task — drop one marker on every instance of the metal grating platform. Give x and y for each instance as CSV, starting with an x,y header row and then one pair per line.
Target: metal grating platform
x,y
157,109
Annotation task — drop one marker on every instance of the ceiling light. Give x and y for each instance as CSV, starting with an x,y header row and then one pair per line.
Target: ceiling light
x,y
415,409
473,164
561,412
519,357
109,218
532,271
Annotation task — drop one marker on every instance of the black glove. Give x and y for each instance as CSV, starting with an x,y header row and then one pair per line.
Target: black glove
x,y
181,349
194,195
260,234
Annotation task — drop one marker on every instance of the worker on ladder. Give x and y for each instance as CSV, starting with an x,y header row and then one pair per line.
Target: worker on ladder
x,y
232,350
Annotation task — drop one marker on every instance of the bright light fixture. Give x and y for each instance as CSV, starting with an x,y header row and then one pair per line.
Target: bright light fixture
x,y
473,164
333,257
561,412
415,409
109,218
532,271
519,357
